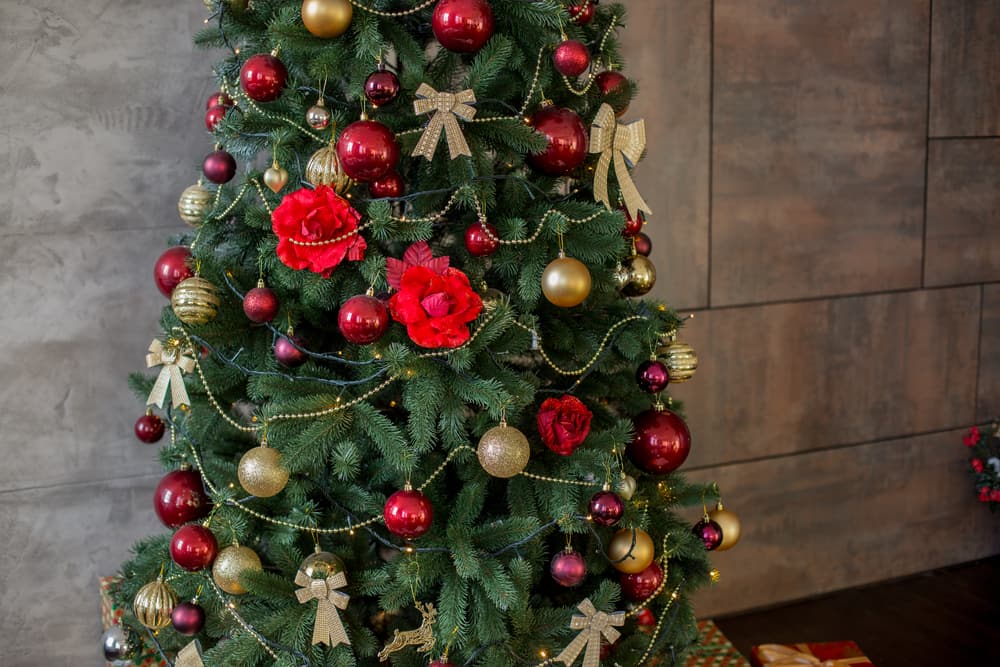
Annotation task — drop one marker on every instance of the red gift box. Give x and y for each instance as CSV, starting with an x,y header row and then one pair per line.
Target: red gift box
x,y
713,649
824,654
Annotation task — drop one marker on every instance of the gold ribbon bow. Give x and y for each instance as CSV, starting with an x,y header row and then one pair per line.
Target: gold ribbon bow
x,y
617,142
175,358
776,655
328,629
447,109
592,625
189,656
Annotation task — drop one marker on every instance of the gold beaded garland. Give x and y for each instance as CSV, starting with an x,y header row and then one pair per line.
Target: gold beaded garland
x,y
231,564
154,603
261,473
194,204
631,550
195,301
503,451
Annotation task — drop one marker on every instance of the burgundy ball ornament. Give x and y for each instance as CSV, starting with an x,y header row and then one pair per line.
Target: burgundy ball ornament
x,y
149,428
391,185
213,116
463,26
481,240
567,141
381,87
180,498
367,150
219,99
606,508
219,167
408,513
661,442
172,267
193,547
261,304
709,532
188,618
581,12
632,225
363,319
641,585
610,82
652,376
571,58
287,352
263,77
643,244
568,568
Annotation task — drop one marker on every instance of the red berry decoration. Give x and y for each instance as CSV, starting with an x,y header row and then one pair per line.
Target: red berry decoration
x,y
188,618
571,58
652,376
288,353
567,141
481,240
219,167
149,428
408,513
213,116
219,99
641,585
180,498
263,77
643,244
171,268
709,532
193,547
363,319
610,82
581,12
381,87
606,508
367,150
261,304
661,442
391,185
568,568
462,25
632,225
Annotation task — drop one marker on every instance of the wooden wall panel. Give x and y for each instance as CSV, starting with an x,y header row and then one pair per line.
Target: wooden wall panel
x,y
963,212
818,147
988,403
965,68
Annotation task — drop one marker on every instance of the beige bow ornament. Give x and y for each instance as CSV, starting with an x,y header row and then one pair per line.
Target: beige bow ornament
x,y
175,359
328,629
189,656
447,109
592,624
617,142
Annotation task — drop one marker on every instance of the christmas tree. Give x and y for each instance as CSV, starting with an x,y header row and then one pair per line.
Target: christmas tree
x,y
416,411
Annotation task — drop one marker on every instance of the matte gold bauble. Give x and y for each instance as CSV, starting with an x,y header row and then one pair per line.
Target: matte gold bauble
x,y
730,525
566,281
195,301
327,18
321,565
231,564
275,177
626,487
324,168
638,275
503,451
154,603
194,204
261,473
681,360
631,550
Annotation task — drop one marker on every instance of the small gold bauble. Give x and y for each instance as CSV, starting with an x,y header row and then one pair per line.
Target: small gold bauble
x,y
681,360
275,178
195,301
327,18
194,204
261,473
639,276
503,451
631,550
318,116
566,281
154,603
324,168
321,565
231,564
730,525
626,487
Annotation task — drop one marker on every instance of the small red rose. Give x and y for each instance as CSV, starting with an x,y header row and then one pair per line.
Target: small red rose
x,y
995,495
317,215
977,464
971,439
984,494
563,423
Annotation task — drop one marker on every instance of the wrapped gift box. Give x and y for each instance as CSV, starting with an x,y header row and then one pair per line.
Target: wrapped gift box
x,y
713,649
111,614
824,654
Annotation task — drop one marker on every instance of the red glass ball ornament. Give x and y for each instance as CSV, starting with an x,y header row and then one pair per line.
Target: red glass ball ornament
x,y
219,167
645,618
219,99
567,141
149,428
632,225
606,508
571,58
286,352
408,513
462,25
643,244
709,532
363,319
391,185
193,547
171,268
641,585
652,376
568,568
661,442
478,239
261,304
188,618
381,87
582,12
263,77
180,498
610,82
607,648
367,150
213,116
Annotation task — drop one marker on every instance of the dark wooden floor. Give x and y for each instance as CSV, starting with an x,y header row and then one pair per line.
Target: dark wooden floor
x,y
945,618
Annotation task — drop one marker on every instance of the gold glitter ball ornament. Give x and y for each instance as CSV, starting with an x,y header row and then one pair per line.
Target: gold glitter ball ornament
x,y
503,451
327,18
195,301
321,565
231,564
730,525
154,603
261,473
681,360
566,281
631,550
324,168
638,275
194,204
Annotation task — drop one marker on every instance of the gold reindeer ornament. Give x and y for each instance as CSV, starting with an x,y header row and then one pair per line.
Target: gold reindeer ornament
x,y
423,637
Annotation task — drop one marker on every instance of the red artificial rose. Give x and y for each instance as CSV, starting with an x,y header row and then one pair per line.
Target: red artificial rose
x,y
563,423
977,465
317,215
984,494
972,438
435,307
995,495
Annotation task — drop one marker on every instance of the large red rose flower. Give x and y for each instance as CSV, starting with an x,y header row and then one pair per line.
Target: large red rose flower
x,y
563,423
317,215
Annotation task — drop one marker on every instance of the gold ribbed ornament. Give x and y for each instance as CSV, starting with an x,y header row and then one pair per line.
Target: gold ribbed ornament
x,y
637,276
324,169
195,301
232,563
194,204
566,281
154,603
730,525
631,550
261,473
681,360
503,451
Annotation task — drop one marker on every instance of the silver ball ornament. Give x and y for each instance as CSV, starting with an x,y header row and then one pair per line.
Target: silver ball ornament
x,y
118,644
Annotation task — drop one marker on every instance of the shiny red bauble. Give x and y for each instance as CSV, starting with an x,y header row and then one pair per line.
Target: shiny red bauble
x,y
263,77
149,428
367,150
193,547
173,266
652,376
643,244
213,116
481,240
641,585
219,167
180,498
363,319
567,141
645,618
381,87
408,513
261,304
606,508
709,532
219,99
632,225
581,12
571,58
661,442
610,82
568,568
462,25
287,352
188,618
390,185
